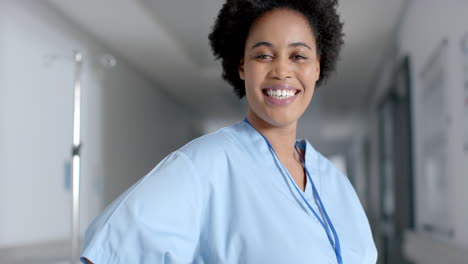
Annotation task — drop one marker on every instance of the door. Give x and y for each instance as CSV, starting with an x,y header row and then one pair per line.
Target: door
x,y
396,171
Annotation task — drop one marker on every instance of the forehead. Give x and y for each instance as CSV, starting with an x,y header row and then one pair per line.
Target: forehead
x,y
281,26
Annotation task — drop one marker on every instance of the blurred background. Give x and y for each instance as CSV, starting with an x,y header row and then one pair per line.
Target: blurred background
x,y
394,117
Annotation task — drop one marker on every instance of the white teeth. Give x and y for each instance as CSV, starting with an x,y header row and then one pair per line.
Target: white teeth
x,y
280,94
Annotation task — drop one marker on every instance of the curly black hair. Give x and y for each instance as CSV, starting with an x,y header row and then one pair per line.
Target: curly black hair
x,y
232,26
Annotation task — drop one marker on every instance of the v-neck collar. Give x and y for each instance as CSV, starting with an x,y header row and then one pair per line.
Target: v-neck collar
x,y
310,159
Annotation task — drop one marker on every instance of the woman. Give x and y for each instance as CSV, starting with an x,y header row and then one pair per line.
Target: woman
x,y
248,193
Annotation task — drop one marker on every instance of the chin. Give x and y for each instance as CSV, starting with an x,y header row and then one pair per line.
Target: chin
x,y
280,121
274,117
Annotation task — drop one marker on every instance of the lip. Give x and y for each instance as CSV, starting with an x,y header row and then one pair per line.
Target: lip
x,y
280,102
280,86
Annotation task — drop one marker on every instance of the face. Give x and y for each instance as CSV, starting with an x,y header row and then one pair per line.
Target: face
x,y
280,68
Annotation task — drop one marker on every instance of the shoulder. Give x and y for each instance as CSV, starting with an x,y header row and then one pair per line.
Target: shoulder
x,y
212,147
213,142
331,180
336,181
175,190
318,163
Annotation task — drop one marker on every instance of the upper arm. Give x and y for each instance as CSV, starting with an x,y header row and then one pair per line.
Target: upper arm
x,y
158,220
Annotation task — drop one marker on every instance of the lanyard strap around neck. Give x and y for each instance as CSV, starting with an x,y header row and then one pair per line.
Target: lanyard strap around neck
x,y
326,223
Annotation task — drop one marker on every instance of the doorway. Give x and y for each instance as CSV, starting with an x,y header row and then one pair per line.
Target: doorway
x,y
396,166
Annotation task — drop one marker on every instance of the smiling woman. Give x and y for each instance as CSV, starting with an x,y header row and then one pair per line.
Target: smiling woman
x,y
280,68
250,192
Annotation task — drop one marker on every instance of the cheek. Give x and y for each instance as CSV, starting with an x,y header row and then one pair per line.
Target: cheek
x,y
251,79
309,73
308,81
252,70
308,78
254,75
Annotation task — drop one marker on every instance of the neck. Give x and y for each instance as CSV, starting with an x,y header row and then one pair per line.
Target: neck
x,y
281,138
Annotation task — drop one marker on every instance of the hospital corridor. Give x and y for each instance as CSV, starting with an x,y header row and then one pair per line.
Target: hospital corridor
x,y
95,94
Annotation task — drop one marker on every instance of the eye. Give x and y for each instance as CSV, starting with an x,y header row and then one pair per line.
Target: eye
x,y
299,57
264,57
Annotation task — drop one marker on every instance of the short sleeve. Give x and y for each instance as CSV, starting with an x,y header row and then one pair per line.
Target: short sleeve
x,y
157,220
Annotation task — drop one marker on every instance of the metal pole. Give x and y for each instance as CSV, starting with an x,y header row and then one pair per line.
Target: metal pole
x,y
78,61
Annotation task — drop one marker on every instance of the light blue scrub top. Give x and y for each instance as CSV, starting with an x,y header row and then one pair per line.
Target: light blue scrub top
x,y
224,198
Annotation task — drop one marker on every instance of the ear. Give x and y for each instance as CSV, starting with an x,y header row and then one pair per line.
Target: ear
x,y
318,68
241,69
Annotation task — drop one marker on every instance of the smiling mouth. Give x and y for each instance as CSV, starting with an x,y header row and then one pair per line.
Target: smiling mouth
x,y
280,94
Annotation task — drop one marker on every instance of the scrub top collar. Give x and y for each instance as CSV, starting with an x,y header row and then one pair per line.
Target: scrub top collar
x,y
311,156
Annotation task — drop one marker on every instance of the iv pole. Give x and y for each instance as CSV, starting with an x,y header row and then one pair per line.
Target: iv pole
x,y
78,61
107,61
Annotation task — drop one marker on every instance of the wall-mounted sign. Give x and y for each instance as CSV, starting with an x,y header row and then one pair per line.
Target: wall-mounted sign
x,y
435,214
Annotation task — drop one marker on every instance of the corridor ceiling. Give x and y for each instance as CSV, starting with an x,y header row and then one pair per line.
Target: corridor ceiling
x,y
166,40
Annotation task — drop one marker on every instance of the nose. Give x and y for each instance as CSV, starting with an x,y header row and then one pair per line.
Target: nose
x,y
281,69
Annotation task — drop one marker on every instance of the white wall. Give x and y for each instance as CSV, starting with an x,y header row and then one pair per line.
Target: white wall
x,y
128,125
2,114
424,26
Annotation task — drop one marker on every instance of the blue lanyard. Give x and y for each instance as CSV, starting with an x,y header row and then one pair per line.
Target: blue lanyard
x,y
326,223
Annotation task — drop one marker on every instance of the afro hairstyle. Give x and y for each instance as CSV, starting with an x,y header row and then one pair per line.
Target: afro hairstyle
x,y
235,18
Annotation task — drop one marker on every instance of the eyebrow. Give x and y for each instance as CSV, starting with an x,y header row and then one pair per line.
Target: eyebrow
x,y
268,44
